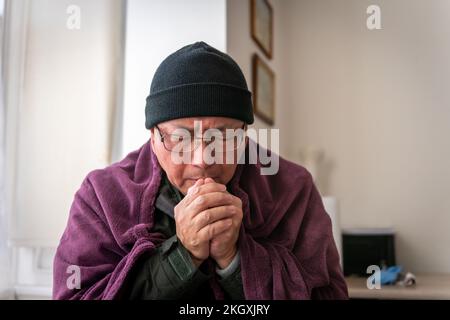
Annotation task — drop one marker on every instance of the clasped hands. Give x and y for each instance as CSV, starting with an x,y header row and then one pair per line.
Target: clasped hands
x,y
207,221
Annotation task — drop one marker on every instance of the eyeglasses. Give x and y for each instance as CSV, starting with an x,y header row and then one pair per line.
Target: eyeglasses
x,y
182,141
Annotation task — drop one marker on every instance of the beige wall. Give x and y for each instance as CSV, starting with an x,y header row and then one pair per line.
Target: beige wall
x,y
241,47
377,103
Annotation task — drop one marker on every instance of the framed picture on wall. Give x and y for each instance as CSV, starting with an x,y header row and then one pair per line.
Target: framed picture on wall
x,y
263,90
261,21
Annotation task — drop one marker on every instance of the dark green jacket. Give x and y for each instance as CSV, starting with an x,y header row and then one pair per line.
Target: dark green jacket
x,y
169,272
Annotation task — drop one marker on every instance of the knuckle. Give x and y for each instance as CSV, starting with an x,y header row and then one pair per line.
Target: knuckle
x,y
206,216
224,197
227,236
200,199
194,243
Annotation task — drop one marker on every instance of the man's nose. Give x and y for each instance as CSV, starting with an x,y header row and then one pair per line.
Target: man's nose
x,y
198,157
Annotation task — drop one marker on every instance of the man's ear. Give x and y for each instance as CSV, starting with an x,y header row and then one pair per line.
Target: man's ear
x,y
152,138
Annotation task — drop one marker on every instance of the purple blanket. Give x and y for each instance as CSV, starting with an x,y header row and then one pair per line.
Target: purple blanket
x,y
286,243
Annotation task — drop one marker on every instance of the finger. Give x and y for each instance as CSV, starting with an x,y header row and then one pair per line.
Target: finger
x,y
194,186
212,215
198,190
236,201
209,200
209,180
214,229
190,192
223,234
211,187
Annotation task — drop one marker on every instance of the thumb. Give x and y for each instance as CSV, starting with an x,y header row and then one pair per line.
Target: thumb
x,y
209,180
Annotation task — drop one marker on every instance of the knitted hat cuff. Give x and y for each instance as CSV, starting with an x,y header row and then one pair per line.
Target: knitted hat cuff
x,y
197,100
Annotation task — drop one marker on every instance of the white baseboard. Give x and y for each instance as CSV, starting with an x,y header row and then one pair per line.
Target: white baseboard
x,y
33,293
7,294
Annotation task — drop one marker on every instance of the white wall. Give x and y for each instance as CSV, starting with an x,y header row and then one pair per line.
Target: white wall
x,y
377,103
60,128
4,258
154,30
60,88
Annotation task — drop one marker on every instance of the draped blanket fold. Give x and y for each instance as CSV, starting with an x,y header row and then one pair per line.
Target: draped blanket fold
x,y
286,242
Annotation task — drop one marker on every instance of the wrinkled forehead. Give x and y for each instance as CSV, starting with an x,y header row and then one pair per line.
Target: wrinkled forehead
x,y
203,122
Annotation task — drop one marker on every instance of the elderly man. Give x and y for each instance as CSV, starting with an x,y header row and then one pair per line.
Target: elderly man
x,y
166,222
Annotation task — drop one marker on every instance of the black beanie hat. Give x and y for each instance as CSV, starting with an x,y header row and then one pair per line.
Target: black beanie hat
x,y
198,80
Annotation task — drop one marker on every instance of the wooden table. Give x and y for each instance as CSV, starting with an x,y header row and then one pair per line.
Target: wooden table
x,y
428,286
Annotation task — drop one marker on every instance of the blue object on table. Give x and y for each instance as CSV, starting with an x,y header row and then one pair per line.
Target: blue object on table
x,y
390,275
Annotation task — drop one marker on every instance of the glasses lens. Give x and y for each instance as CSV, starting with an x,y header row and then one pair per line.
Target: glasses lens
x,y
222,142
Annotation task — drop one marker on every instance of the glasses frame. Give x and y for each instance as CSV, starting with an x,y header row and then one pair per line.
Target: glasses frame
x,y
163,135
